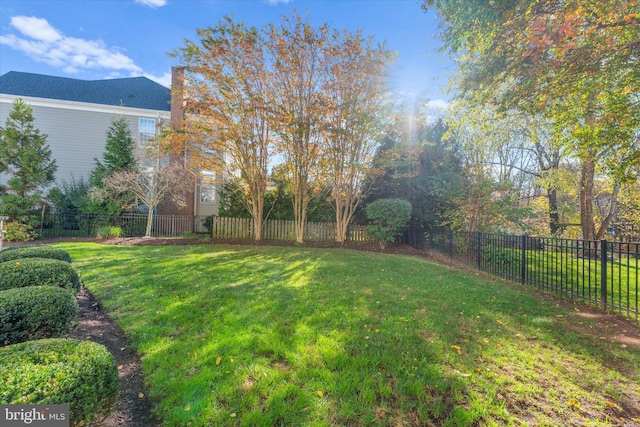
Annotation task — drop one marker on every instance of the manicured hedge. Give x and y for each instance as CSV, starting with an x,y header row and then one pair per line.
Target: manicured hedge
x,y
82,374
36,312
34,251
23,272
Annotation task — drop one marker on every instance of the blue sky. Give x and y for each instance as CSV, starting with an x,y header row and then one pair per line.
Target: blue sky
x,y
96,39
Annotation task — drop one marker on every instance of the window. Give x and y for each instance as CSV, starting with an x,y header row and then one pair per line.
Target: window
x,y
146,131
207,188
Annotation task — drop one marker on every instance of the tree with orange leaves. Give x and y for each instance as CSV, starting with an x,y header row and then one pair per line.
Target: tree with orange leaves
x,y
356,106
229,92
312,96
297,50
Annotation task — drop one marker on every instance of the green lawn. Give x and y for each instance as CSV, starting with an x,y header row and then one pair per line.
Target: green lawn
x,y
263,336
565,273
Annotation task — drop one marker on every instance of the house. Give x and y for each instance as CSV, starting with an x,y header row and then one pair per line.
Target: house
x,y
76,114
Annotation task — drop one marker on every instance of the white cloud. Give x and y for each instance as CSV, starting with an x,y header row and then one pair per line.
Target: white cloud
x,y
152,3
439,104
43,43
164,80
36,28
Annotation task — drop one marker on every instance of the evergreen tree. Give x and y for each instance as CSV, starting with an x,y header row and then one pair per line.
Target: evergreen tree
x,y
423,168
26,158
118,154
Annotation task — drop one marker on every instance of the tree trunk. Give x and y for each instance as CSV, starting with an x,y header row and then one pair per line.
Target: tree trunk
x,y
342,219
257,210
300,217
300,202
147,233
606,221
554,216
586,199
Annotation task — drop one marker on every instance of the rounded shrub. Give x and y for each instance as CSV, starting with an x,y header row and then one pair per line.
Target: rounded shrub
x,y
34,251
24,272
386,217
18,232
82,374
36,312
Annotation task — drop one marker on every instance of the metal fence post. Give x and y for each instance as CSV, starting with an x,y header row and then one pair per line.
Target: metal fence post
x,y
451,244
523,262
603,274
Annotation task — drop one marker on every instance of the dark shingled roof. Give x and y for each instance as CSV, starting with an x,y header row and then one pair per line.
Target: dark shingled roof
x,y
134,92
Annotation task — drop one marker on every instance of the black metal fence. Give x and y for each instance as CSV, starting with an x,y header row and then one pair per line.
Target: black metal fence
x,y
131,225
601,273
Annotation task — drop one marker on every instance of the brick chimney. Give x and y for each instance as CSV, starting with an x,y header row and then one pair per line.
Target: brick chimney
x,y
179,153
177,96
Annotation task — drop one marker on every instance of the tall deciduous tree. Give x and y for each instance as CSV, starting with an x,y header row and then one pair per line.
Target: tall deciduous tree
x,y
355,103
573,61
26,158
297,50
230,93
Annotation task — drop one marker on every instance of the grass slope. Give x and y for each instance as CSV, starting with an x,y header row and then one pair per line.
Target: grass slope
x,y
262,336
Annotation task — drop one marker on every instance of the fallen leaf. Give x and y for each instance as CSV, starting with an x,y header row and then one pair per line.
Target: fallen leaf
x,y
120,366
233,415
456,348
140,395
320,393
305,409
218,360
573,403
187,408
609,403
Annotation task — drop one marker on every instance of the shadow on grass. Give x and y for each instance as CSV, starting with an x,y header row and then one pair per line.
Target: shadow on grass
x,y
281,336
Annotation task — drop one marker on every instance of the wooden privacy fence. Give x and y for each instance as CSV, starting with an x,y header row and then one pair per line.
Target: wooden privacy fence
x,y
174,225
275,229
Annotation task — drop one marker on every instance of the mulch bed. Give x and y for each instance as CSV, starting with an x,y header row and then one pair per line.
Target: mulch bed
x,y
133,408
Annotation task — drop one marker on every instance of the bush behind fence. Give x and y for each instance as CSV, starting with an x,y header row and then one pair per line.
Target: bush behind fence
x,y
602,273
